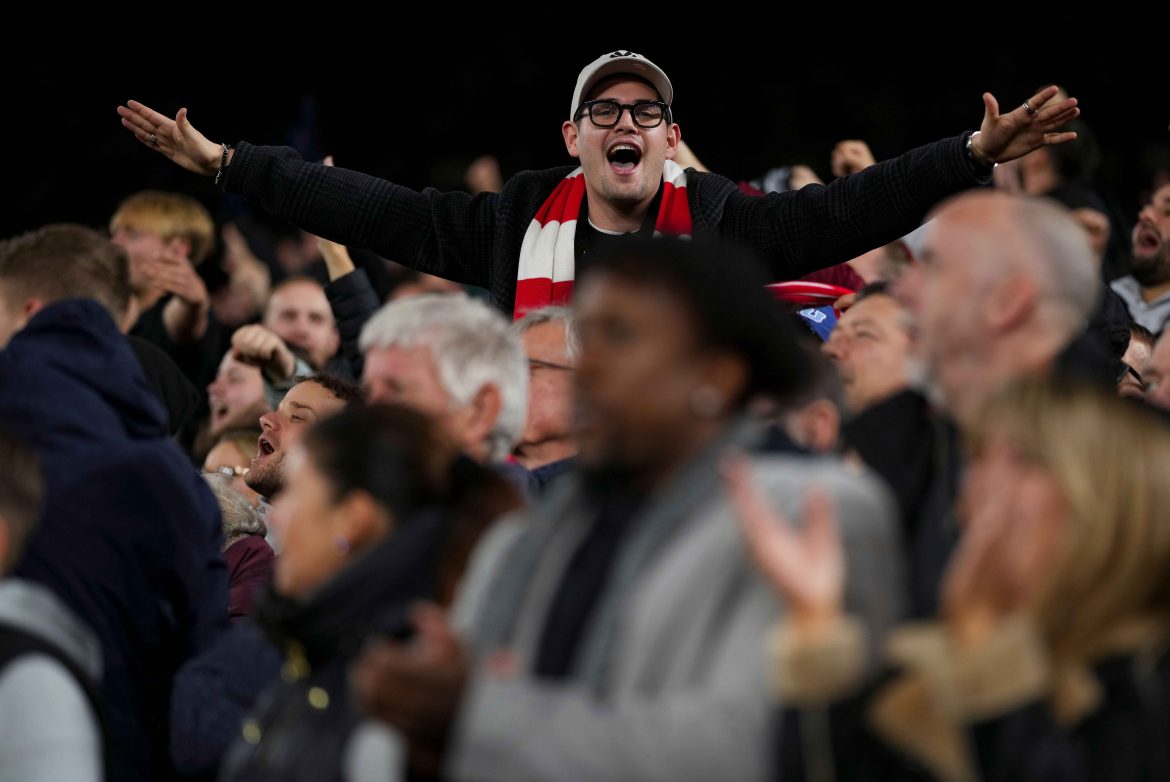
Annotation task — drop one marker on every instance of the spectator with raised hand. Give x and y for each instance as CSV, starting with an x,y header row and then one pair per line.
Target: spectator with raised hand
x,y
1050,659
351,296
166,235
257,346
299,314
525,242
298,336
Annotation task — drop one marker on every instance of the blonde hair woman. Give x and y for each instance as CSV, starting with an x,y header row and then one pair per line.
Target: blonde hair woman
x,y
1050,661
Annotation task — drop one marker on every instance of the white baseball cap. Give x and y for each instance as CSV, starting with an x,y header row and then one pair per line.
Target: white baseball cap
x,y
619,62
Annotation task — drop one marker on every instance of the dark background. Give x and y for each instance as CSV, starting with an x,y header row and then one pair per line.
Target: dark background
x,y
418,113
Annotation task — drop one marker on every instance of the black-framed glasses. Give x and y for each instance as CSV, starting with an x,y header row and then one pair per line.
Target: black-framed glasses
x,y
607,112
536,363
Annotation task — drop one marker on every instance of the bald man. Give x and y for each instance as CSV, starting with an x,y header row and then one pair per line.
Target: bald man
x,y
1004,290
1005,287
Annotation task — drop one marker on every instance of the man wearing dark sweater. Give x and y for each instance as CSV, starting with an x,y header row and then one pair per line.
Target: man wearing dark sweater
x,y
621,129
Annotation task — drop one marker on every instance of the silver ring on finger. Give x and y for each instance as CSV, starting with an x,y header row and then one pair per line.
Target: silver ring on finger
x,y
154,139
1028,108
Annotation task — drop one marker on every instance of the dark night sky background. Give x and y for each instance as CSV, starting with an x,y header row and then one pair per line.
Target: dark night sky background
x,y
418,115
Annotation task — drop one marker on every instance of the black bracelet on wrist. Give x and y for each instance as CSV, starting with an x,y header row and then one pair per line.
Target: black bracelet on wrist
x,y
980,168
223,163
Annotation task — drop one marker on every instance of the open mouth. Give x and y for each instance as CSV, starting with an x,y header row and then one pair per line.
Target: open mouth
x,y
1147,238
624,158
265,447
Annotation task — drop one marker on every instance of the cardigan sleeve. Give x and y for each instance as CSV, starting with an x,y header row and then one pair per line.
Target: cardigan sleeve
x,y
801,231
354,301
448,235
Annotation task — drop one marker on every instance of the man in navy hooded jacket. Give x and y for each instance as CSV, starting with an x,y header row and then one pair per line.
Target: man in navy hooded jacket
x,y
130,536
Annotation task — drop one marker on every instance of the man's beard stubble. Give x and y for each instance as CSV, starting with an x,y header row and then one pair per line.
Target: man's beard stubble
x,y
268,479
1153,271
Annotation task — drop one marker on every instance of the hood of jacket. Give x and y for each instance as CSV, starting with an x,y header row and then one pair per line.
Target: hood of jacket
x,y
71,360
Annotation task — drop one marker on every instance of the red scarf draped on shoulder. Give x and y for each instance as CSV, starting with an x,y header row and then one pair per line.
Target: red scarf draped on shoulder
x,y
547,257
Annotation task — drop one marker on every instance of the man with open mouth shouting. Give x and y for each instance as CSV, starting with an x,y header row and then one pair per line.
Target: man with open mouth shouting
x,y
311,399
525,242
1146,290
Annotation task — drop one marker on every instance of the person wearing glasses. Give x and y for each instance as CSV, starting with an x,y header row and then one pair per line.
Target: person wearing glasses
x,y
552,343
525,243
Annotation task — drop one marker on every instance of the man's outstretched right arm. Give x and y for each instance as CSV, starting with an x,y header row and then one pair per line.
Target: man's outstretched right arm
x,y
446,234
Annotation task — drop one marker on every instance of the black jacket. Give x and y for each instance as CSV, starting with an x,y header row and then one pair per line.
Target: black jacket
x,y
130,534
302,725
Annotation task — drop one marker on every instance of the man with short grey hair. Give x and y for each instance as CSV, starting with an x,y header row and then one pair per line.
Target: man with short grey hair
x,y
552,344
455,359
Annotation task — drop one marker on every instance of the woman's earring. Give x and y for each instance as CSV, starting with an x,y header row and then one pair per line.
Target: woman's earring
x,y
706,401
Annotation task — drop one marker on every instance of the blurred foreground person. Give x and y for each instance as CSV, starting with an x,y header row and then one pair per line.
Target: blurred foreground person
x,y
1050,661
616,632
1004,289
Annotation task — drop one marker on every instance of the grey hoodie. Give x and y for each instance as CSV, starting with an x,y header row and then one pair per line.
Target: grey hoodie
x,y
48,730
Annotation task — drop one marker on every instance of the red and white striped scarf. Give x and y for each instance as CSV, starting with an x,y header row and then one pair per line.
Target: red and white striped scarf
x,y
547,258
